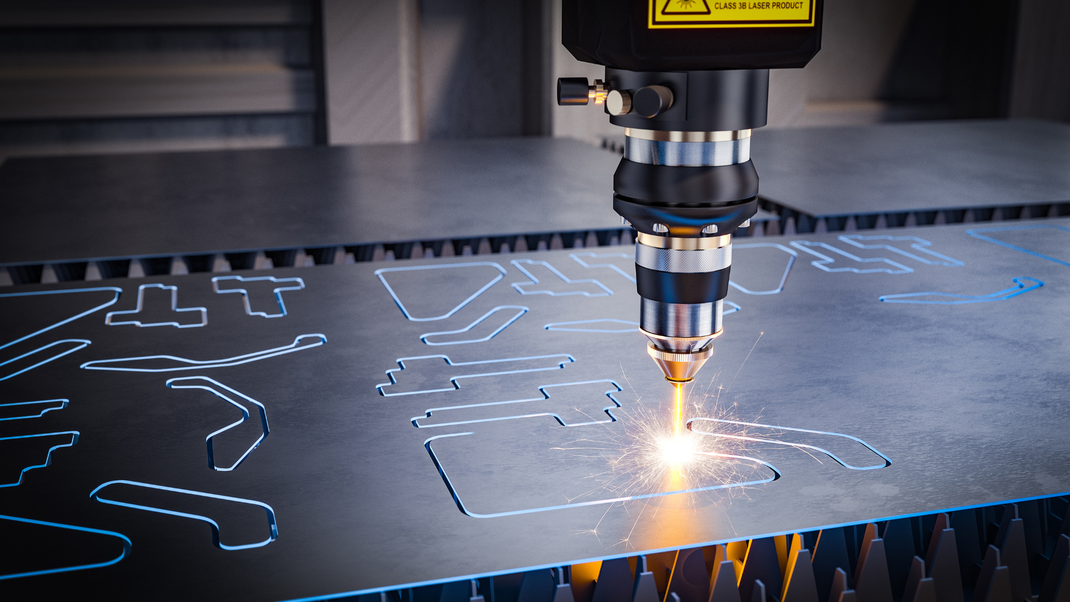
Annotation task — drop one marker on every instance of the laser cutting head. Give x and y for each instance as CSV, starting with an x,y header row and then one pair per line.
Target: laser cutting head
x,y
688,83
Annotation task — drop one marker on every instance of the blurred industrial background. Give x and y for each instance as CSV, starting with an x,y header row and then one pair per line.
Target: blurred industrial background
x,y
109,76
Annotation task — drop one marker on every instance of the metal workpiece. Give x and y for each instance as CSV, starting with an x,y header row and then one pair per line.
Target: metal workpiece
x,y
377,426
441,194
896,175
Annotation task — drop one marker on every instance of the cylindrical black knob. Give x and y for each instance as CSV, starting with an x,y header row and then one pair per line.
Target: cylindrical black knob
x,y
572,91
651,100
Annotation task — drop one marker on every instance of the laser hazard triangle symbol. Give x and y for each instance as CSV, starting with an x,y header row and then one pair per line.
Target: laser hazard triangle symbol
x,y
686,7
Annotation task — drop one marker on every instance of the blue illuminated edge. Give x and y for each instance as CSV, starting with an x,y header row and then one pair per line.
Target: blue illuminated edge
x,y
48,458
379,274
174,307
887,460
82,344
521,310
126,547
576,257
299,285
977,233
63,404
568,359
533,280
825,260
117,291
215,526
460,504
1002,295
428,413
206,364
783,278
265,430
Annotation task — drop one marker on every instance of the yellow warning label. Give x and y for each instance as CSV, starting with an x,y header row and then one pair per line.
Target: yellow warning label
x,y
702,14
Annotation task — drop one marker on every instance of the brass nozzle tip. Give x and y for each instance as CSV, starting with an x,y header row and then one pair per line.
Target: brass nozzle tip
x,y
679,366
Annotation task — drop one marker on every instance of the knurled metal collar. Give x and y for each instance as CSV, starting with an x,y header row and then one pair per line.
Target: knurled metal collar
x,y
679,356
664,136
683,244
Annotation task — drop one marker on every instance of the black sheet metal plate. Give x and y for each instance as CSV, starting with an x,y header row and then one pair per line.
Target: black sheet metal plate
x,y
959,377
121,206
922,166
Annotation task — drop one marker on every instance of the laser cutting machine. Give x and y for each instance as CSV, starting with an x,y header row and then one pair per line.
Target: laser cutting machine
x,y
688,81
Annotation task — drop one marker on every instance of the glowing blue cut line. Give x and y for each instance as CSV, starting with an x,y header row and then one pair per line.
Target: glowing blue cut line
x,y
299,284
792,255
920,244
462,508
825,260
379,273
82,344
174,308
887,461
521,310
80,567
215,526
63,404
117,291
569,326
534,280
576,257
48,458
732,307
453,379
1014,291
205,364
245,415
545,396
978,233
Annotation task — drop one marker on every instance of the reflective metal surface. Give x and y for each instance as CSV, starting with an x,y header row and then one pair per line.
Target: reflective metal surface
x,y
190,203
916,167
390,424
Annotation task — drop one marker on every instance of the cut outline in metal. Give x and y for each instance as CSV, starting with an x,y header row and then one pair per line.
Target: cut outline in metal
x,y
96,565
559,326
453,379
920,244
792,256
206,364
63,405
245,293
460,504
977,233
117,291
576,257
379,274
887,460
245,416
215,526
522,310
545,396
174,307
48,458
825,260
533,280
82,344
1003,295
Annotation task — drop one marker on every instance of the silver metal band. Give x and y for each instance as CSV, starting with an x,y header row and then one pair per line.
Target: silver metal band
x,y
682,320
683,262
687,154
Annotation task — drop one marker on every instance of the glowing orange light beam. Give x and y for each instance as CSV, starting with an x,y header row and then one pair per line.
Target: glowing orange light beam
x,y
678,410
